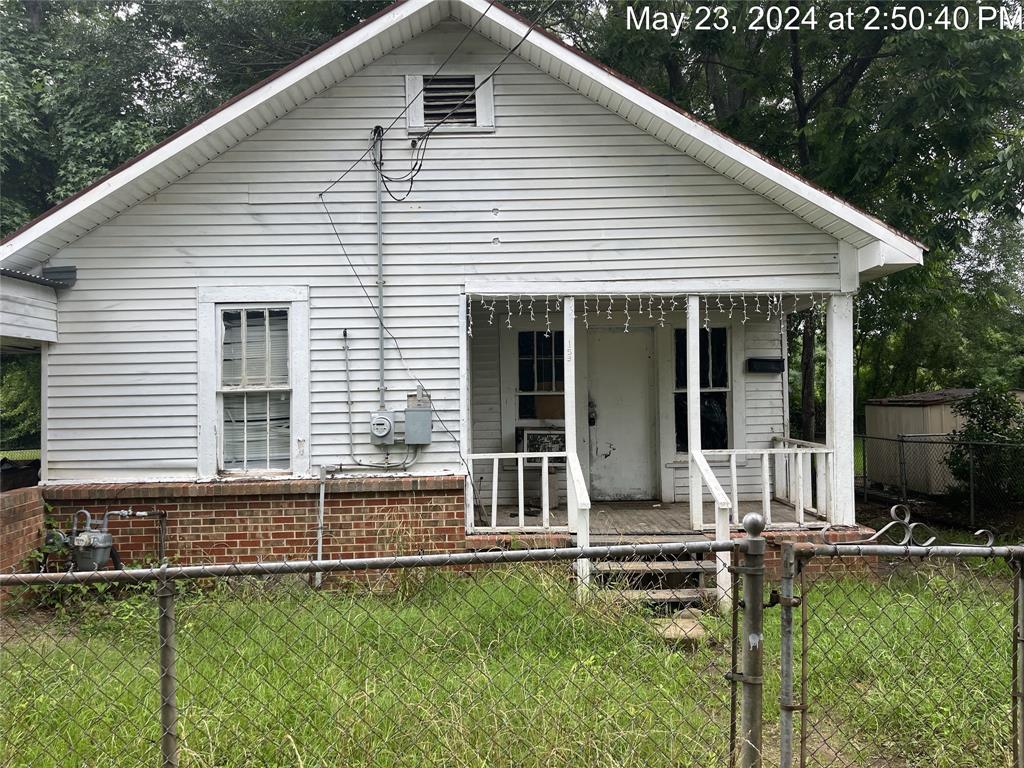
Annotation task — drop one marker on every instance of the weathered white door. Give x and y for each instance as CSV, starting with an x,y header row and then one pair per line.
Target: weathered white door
x,y
621,414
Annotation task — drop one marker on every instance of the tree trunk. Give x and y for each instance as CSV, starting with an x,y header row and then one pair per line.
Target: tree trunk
x,y
807,394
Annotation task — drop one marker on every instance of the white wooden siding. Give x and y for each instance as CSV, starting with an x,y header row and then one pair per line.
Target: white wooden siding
x,y
28,311
562,190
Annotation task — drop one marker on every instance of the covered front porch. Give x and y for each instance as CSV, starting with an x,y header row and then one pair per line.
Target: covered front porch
x,y
575,412
615,522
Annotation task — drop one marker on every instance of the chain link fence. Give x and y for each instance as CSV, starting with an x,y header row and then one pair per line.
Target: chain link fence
x,y
846,655
962,484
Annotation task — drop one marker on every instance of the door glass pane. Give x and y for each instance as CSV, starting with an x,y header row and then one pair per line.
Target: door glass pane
x,y
278,324
705,361
256,430
280,430
231,349
234,430
255,347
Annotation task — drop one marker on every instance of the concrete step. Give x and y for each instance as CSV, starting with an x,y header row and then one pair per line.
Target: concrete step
x,y
660,595
654,566
682,629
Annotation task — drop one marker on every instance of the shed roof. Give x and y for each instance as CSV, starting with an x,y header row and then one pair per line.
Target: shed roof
x,y
936,397
883,249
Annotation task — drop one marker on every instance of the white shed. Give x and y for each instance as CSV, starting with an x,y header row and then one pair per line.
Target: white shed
x,y
908,433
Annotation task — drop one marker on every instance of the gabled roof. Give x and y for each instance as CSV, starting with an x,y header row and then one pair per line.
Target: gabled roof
x,y
882,248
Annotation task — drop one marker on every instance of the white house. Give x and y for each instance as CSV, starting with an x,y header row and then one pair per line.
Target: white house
x,y
556,268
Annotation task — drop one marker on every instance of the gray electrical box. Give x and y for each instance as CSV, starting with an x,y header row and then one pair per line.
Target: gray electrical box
x,y
382,428
418,426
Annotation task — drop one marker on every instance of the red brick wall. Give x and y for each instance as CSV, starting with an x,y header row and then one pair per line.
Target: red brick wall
x,y
21,524
818,565
223,522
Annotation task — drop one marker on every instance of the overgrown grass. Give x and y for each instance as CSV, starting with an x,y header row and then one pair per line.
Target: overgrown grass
x,y
502,668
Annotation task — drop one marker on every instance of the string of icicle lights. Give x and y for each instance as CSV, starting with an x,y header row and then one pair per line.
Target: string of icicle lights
x,y
659,308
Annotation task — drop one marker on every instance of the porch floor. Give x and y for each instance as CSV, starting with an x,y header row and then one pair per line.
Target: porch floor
x,y
637,521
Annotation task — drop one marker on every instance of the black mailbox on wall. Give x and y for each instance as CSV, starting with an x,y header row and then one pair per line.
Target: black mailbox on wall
x,y
765,365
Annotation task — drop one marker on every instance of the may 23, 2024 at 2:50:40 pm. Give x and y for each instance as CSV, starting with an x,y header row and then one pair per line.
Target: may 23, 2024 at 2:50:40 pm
x,y
773,18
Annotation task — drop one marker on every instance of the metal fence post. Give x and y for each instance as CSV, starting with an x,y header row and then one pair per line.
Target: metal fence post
x,y
168,679
752,641
1017,691
786,704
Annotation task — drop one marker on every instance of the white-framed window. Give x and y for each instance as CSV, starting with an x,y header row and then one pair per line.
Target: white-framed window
x,y
253,381
254,389
540,389
460,101
715,388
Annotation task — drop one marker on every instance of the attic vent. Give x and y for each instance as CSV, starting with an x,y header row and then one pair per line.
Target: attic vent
x,y
454,103
444,94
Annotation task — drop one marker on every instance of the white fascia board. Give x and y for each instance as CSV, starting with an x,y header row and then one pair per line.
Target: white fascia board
x,y
880,256
713,141
212,124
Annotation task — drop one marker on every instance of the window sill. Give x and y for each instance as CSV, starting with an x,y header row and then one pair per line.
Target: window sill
x,y
452,129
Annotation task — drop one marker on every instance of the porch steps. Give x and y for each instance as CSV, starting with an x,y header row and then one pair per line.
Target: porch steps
x,y
654,566
686,596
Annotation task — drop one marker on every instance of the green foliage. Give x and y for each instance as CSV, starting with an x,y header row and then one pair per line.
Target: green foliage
x,y
989,449
922,129
19,401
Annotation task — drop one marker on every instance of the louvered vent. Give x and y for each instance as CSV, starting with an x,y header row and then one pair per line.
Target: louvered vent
x,y
444,93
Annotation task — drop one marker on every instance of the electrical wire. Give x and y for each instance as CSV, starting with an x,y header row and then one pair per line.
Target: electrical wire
x,y
419,155
426,82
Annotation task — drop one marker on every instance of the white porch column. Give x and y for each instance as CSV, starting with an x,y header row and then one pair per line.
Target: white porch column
x,y
693,408
569,365
839,403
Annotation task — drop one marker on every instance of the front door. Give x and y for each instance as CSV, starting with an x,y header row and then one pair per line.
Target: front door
x,y
621,414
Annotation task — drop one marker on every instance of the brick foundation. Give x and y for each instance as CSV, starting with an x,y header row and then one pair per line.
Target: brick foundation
x,y
223,522
817,566
21,524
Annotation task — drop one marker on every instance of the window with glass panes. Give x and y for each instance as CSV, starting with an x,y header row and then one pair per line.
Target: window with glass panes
x,y
255,389
541,375
714,389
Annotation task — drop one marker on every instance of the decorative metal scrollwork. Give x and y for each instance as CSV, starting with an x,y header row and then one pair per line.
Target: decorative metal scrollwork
x,y
902,532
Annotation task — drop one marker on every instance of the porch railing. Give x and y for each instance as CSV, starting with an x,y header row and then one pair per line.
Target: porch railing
x,y
804,477
494,494
723,513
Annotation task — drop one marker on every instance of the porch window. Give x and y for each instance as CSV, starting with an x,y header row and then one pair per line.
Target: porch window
x,y
255,389
714,389
541,384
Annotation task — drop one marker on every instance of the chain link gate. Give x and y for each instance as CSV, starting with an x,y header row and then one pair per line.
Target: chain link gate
x,y
908,653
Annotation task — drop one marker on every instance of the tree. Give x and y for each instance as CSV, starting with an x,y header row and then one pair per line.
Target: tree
x,y
19,401
989,449
923,129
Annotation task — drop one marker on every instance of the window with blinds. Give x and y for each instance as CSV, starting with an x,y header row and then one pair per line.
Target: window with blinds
x,y
255,389
450,99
